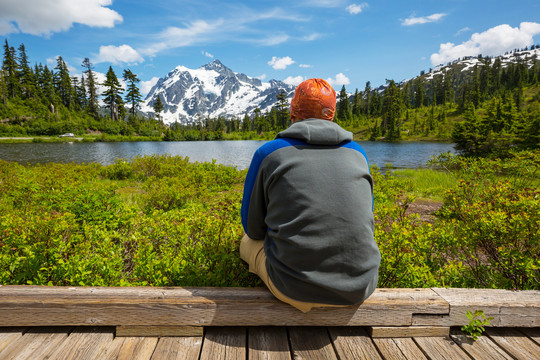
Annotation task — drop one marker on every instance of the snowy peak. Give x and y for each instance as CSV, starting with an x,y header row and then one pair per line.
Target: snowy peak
x,y
212,90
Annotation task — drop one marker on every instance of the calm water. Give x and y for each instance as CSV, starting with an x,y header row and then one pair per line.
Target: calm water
x,y
236,153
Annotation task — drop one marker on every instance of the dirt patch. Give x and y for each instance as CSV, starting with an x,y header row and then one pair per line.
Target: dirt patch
x,y
425,209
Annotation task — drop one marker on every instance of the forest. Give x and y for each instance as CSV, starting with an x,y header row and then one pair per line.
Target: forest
x,y
487,109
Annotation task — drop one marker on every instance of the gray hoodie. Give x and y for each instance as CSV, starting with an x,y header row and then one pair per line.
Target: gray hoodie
x,y
309,195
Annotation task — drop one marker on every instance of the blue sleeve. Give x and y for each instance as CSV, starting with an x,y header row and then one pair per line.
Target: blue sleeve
x,y
251,177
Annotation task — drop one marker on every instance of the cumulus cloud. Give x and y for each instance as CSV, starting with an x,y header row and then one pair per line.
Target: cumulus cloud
x,y
207,54
280,63
118,55
356,8
422,20
293,80
494,41
146,86
339,80
305,66
44,17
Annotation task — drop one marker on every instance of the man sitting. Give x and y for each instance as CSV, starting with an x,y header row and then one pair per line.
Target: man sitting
x,y
307,209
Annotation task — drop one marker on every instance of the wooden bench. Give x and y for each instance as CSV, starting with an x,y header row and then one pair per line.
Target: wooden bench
x,y
179,310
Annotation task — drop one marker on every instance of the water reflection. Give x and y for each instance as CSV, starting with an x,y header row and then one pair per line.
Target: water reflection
x,y
235,153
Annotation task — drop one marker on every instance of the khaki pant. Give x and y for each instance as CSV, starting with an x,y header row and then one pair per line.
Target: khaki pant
x,y
252,252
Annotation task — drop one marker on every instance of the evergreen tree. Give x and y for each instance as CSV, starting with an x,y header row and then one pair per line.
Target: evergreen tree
x,y
62,83
133,95
10,72
343,106
158,107
26,75
91,83
367,98
112,92
282,108
357,104
391,111
419,93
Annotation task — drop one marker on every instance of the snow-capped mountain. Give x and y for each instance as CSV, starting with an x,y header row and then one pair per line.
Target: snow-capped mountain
x,y
468,63
212,90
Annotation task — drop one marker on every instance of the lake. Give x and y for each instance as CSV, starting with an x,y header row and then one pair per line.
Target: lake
x,y
236,153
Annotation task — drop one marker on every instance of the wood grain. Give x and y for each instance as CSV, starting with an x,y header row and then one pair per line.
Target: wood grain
x,y
36,344
268,343
482,349
311,343
353,343
407,331
441,348
64,306
515,343
179,348
83,343
159,331
137,348
224,343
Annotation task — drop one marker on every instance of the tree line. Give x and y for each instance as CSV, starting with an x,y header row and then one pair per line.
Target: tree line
x,y
491,103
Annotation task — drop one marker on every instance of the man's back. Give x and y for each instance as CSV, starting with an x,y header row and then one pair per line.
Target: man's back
x,y
309,196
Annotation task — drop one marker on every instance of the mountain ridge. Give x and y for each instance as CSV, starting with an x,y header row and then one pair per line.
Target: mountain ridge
x,y
211,90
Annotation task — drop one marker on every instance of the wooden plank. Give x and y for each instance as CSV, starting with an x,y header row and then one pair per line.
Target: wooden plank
x,y
508,308
63,306
353,343
390,349
112,350
533,334
36,344
137,348
159,331
178,348
7,335
482,349
268,343
410,349
442,348
407,331
311,343
515,343
83,343
224,343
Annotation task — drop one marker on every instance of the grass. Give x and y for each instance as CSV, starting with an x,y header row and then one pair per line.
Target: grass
x,y
426,183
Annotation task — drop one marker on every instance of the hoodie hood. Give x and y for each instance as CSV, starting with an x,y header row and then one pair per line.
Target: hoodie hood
x,y
317,132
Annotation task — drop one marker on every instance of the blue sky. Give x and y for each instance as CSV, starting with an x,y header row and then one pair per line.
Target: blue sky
x,y
346,42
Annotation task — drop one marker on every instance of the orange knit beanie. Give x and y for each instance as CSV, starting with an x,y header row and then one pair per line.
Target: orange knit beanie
x,y
313,98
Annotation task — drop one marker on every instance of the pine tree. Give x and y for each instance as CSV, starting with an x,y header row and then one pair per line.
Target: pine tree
x,y
112,92
62,83
93,105
282,108
26,75
392,107
419,93
133,95
343,106
158,107
367,98
10,72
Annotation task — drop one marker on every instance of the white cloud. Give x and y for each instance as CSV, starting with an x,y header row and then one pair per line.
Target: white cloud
x,y
293,80
356,8
311,37
146,86
207,54
280,63
422,20
461,31
44,17
324,3
118,55
273,40
174,37
261,77
339,80
494,41
305,66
